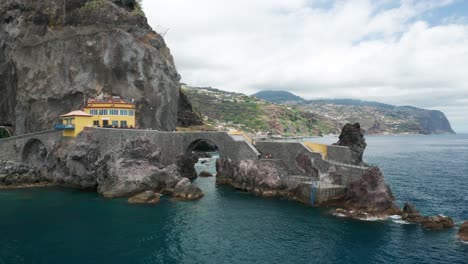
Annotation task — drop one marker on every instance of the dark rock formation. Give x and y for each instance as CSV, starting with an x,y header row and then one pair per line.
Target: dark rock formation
x,y
352,136
15,174
371,194
186,115
412,215
463,232
438,222
205,174
186,164
148,197
54,53
255,176
186,191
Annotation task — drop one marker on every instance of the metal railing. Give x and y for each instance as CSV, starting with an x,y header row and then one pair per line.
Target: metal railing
x,y
63,127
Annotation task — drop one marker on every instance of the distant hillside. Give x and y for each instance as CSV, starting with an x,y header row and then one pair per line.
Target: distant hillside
x,y
375,117
234,110
277,96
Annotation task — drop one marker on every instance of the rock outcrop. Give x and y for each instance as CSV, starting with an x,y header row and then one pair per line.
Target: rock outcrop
x,y
148,197
411,214
55,53
370,194
15,174
79,163
463,232
186,164
352,136
186,191
186,115
439,222
255,176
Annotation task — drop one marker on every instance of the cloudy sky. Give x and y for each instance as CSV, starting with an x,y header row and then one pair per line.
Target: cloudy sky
x,y
397,52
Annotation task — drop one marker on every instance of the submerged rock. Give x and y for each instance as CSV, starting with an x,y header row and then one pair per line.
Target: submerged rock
x,y
205,174
352,136
186,191
147,197
463,232
371,194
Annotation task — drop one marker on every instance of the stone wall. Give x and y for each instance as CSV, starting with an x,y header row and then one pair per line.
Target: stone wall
x,y
340,154
173,144
289,151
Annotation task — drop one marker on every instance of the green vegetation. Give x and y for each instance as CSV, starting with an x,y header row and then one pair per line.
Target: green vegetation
x,y
238,111
92,5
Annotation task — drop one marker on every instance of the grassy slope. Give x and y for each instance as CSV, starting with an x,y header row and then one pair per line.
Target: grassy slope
x,y
255,114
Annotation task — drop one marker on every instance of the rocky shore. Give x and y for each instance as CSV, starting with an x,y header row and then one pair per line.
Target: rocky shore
x,y
79,163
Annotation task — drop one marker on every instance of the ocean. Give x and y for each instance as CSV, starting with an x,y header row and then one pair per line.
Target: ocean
x,y
53,225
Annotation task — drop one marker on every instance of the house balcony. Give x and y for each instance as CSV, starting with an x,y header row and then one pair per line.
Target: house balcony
x,y
64,127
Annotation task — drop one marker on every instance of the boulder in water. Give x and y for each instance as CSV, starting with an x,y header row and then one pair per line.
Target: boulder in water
x,y
147,197
186,191
205,174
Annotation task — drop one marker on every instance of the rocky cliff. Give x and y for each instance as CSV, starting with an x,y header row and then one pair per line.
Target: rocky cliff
x,y
56,52
374,117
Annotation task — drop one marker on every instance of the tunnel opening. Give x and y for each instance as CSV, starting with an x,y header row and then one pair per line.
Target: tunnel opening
x,y
6,131
34,153
207,153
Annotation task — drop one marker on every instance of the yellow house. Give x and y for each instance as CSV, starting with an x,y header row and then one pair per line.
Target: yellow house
x,y
114,112
74,122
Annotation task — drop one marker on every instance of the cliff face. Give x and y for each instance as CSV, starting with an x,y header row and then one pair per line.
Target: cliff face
x,y
186,116
56,52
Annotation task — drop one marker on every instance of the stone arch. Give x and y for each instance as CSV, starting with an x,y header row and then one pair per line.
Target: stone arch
x,y
202,145
34,152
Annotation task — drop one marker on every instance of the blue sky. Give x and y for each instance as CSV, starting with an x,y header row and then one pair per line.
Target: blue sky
x,y
411,52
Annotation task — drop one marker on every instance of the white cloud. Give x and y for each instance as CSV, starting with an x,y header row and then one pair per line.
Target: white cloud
x,y
377,50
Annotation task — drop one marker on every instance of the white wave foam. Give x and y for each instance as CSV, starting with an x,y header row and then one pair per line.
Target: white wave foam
x,y
372,218
339,215
402,222
394,217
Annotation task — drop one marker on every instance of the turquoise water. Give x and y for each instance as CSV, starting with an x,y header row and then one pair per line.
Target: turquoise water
x,y
226,226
